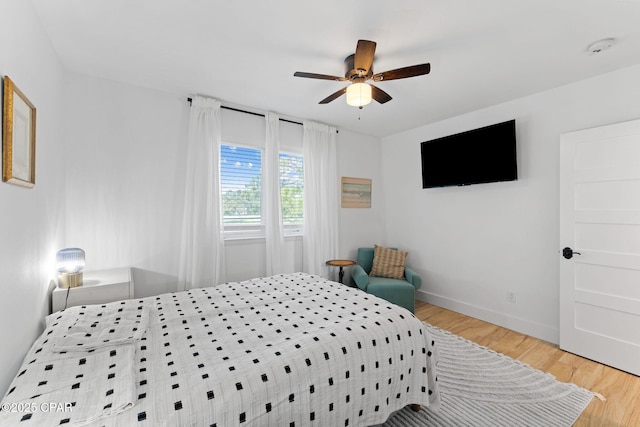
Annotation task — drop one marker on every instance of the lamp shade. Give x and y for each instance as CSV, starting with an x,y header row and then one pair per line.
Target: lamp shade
x,y
70,260
358,94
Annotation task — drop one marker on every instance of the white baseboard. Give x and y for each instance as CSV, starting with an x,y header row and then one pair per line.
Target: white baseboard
x,y
517,324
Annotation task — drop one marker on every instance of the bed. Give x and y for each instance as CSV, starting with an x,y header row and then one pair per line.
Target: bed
x,y
287,350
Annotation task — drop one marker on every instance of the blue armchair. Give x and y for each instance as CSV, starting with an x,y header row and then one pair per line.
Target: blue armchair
x,y
397,291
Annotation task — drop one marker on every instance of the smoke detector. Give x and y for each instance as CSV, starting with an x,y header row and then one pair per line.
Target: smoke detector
x,y
601,45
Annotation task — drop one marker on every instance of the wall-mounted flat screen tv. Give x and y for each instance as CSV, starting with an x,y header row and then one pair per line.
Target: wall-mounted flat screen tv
x,y
477,156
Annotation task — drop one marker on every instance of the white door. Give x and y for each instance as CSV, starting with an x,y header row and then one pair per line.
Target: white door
x,y
600,229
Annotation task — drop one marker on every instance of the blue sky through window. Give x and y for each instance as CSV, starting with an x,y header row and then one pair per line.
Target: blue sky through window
x,y
239,166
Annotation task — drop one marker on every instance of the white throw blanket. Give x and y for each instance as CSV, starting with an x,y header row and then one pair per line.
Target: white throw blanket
x,y
86,387
85,328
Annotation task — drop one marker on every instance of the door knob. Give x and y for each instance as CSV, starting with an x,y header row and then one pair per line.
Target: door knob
x,y
568,253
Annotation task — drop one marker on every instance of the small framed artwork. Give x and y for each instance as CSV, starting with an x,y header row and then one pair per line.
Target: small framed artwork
x,y
18,137
356,193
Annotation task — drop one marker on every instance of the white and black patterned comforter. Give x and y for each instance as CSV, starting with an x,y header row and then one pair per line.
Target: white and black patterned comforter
x,y
288,350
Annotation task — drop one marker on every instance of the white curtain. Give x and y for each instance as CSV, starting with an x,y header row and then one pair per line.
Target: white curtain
x,y
202,244
271,196
321,192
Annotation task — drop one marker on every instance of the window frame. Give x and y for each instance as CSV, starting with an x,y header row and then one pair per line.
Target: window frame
x,y
257,231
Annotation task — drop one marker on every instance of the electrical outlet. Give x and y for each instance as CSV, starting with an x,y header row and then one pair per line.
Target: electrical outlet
x,y
511,297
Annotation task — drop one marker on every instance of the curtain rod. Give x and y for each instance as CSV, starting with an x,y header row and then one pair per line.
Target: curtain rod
x,y
250,112
254,114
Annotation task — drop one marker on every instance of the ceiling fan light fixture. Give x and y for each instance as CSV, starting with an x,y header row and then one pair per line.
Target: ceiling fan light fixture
x,y
358,94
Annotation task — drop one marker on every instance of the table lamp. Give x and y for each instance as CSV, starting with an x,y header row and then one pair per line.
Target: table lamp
x,y
70,263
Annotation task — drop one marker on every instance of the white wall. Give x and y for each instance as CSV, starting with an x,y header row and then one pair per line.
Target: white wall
x,y
359,156
31,220
474,244
125,151
125,178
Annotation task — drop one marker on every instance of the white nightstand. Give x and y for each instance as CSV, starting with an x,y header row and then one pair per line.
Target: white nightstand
x,y
98,287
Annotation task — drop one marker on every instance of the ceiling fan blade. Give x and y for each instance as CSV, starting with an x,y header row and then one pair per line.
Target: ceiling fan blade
x,y
318,76
403,73
380,95
365,50
333,96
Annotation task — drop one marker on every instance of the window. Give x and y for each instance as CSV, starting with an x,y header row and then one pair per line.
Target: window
x,y
241,187
241,190
291,192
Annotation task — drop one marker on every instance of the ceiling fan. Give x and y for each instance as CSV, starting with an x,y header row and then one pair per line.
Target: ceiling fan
x,y
359,70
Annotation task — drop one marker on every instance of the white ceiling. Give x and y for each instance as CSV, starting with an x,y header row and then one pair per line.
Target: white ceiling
x,y
245,52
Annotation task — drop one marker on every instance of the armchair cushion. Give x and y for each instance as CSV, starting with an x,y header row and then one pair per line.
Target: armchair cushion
x,y
388,262
399,292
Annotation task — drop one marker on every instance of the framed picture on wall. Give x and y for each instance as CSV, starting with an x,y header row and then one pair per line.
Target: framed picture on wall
x,y
18,137
356,193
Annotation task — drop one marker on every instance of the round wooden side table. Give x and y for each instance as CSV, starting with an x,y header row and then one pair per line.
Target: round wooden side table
x,y
341,263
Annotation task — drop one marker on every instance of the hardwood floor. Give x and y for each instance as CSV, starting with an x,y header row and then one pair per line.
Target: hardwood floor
x,y
621,390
